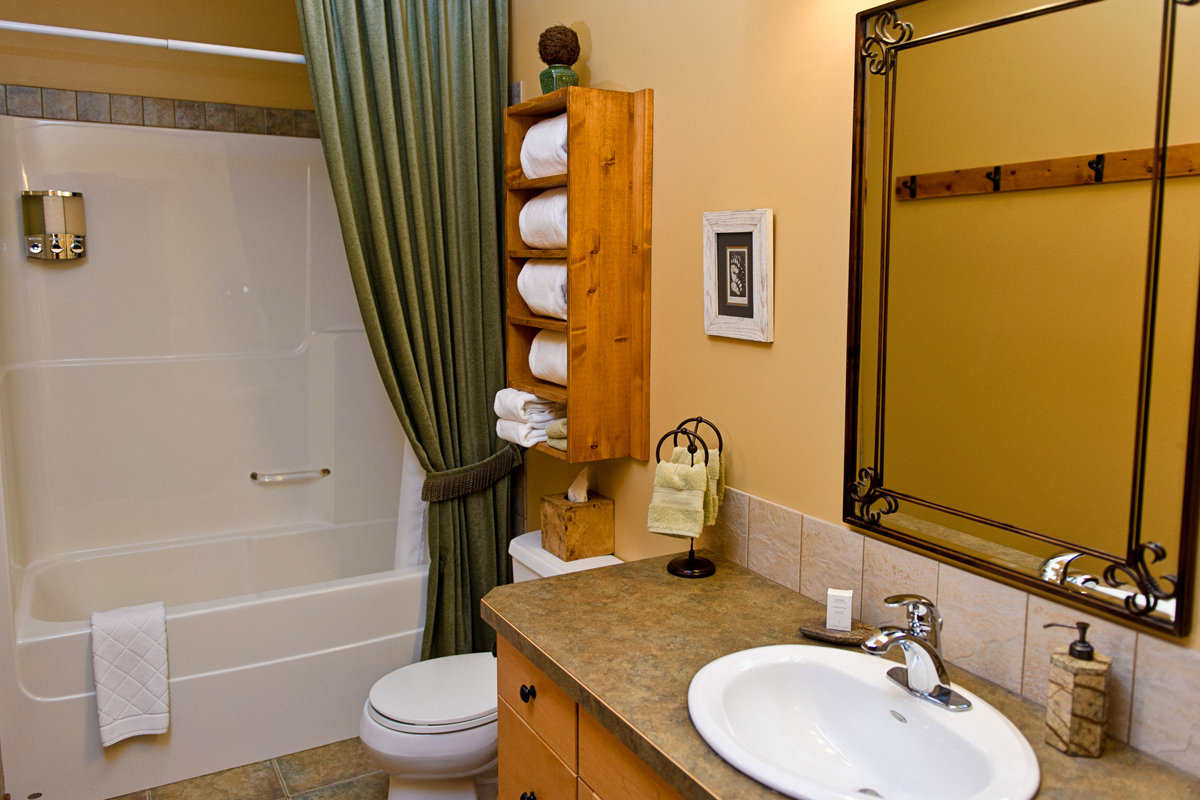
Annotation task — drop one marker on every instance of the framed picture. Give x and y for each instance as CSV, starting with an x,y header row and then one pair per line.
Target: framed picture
x,y
739,275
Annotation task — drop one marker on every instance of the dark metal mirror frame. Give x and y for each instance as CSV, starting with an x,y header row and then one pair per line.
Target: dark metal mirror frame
x,y
881,35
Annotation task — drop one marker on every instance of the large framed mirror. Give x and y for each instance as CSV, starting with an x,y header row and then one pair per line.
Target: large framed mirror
x,y
1022,382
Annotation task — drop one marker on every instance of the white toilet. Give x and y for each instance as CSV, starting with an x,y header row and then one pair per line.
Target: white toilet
x,y
432,725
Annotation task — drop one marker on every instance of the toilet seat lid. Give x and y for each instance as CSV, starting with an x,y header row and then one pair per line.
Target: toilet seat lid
x,y
441,691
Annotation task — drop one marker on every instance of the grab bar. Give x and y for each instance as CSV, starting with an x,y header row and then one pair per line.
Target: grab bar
x,y
288,477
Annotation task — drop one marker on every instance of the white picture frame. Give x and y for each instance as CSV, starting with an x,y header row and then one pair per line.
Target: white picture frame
x,y
727,286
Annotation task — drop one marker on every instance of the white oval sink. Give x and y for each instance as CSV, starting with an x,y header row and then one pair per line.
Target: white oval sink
x,y
823,724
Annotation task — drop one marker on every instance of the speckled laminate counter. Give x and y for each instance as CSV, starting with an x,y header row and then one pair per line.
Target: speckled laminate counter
x,y
625,641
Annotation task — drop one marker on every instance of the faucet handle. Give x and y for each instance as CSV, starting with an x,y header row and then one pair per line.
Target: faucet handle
x,y
923,617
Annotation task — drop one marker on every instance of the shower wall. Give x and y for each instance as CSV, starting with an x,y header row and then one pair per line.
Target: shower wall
x,y
210,332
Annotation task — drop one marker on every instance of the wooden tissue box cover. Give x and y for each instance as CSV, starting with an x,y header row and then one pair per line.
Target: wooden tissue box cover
x,y
573,531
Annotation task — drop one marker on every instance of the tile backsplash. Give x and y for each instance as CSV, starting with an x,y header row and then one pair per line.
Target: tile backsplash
x,y
991,629
157,112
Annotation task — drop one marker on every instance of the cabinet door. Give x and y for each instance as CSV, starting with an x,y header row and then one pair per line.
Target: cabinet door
x,y
612,770
537,701
528,768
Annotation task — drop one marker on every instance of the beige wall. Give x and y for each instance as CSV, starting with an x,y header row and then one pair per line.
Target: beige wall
x,y
61,63
753,108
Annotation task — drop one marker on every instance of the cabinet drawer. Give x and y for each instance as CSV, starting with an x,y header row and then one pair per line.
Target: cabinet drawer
x,y
527,765
612,771
550,711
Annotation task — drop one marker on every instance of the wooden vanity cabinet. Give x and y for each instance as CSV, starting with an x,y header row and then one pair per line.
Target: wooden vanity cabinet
x,y
551,749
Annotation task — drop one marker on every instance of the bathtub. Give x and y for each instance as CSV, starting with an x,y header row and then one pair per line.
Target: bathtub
x,y
274,637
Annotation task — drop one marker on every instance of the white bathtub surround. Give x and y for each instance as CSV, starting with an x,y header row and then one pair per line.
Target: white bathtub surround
x,y
138,391
129,662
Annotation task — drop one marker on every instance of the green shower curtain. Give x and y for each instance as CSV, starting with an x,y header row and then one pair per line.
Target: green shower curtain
x,y
409,96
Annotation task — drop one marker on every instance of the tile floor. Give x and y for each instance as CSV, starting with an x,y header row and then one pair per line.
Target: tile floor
x,y
338,771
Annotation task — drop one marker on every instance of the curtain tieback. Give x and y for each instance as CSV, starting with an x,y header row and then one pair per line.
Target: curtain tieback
x,y
476,477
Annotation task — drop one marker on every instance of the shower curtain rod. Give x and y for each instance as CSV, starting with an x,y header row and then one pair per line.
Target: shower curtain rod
x,y
147,41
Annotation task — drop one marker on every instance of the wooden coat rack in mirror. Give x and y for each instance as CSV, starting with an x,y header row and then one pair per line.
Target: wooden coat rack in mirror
x,y
1022,382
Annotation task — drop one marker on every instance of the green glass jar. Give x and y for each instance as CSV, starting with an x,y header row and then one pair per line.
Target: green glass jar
x,y
556,76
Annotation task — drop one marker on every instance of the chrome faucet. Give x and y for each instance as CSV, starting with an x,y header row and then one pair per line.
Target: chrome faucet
x,y
923,673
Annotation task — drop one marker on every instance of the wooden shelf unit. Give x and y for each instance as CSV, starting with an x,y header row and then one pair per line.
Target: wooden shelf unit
x,y
609,142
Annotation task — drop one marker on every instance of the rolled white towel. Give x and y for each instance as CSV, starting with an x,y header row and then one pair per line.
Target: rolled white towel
x,y
548,357
519,432
528,408
543,221
543,285
544,151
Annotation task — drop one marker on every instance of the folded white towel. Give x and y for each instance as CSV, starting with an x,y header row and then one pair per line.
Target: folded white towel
x,y
544,151
542,283
548,357
543,221
129,658
525,407
520,433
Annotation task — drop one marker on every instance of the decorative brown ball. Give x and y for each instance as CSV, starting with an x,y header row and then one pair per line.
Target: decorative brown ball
x,y
558,45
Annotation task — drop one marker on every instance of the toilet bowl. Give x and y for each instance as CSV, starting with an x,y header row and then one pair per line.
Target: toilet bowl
x,y
432,725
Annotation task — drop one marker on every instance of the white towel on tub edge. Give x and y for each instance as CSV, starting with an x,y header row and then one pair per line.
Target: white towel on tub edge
x,y
129,657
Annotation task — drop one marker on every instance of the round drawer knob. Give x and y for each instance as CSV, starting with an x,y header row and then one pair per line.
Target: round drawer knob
x,y
528,693
528,796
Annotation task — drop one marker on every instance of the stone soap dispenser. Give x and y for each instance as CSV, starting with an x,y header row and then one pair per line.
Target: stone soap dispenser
x,y
1077,698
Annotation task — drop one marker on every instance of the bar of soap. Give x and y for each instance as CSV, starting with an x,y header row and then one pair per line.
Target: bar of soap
x,y
838,606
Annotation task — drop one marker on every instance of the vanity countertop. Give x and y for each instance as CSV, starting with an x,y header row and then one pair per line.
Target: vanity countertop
x,y
625,641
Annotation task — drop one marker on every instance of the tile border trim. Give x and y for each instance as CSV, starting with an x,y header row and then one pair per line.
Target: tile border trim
x,y
36,102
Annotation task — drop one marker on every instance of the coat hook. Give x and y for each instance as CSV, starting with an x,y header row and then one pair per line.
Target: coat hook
x,y
1096,165
994,177
911,185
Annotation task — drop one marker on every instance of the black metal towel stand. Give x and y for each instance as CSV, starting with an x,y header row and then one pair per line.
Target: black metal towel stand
x,y
691,565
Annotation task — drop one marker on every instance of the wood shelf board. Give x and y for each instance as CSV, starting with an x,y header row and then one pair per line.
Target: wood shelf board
x,y
545,106
542,447
550,391
534,321
1125,165
524,184
537,253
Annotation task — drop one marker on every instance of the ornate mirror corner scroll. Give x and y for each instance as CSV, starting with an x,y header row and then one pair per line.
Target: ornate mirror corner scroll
x,y
1138,571
877,48
866,492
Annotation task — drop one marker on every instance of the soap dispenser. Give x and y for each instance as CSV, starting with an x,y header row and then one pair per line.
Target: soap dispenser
x,y
1077,700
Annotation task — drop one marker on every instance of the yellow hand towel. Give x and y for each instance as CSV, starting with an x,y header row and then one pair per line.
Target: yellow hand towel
x,y
721,479
557,429
677,507
712,502
557,443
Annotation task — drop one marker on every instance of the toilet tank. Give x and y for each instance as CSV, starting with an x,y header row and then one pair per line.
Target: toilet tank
x,y
530,561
